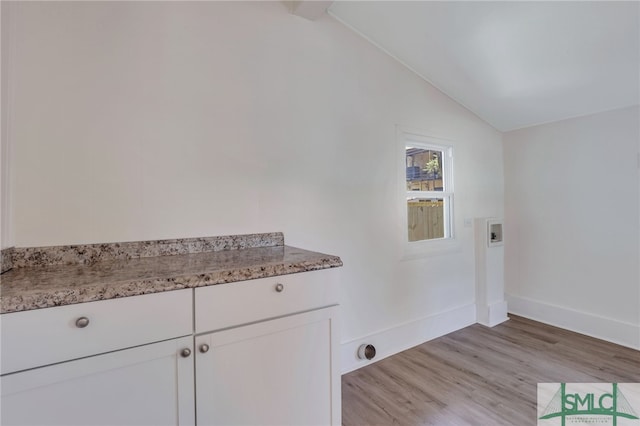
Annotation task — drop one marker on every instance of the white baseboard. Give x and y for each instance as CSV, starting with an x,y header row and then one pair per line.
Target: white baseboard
x,y
397,339
493,314
611,330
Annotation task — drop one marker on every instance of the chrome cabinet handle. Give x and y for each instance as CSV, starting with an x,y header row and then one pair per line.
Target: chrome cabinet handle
x,y
204,348
279,287
82,322
185,353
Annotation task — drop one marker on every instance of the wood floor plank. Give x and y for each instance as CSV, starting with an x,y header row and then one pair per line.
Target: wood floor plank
x,y
480,376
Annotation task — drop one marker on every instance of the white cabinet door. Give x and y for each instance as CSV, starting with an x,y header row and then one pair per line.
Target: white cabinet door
x,y
146,385
278,372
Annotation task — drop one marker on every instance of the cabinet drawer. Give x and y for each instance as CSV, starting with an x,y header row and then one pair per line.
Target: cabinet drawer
x,y
227,305
51,335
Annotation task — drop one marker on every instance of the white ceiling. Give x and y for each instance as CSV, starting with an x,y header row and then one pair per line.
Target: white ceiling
x,y
514,64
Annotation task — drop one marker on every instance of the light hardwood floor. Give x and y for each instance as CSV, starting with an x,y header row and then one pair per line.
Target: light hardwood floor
x,y
480,376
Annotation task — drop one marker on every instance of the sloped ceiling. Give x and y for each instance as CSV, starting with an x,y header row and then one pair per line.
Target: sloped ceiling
x,y
514,64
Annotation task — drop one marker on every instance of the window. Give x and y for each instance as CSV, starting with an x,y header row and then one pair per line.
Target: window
x,y
429,189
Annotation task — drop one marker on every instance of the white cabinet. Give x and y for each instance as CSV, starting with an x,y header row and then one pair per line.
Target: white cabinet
x,y
265,353
70,365
277,372
146,385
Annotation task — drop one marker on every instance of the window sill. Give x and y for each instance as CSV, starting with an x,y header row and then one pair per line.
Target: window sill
x,y
429,248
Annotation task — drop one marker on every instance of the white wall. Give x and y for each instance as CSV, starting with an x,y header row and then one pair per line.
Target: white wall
x,y
572,209
136,120
6,239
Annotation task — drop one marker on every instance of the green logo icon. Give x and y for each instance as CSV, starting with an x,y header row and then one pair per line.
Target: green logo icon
x,y
586,404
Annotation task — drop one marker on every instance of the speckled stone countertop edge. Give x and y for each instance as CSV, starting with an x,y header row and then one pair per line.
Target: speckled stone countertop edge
x,y
87,254
290,261
6,259
99,292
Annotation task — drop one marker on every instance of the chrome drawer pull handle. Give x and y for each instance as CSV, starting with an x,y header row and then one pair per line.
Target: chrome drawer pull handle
x,y
185,353
82,322
204,348
279,288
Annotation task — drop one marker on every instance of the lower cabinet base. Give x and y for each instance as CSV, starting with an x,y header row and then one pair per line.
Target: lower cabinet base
x,y
277,372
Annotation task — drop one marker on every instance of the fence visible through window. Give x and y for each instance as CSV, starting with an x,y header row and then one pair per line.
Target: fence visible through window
x,y
425,219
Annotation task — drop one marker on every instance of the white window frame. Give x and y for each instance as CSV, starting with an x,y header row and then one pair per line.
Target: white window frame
x,y
415,249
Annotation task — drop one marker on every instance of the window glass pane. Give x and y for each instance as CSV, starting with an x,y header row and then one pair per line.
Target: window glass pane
x,y
424,170
426,218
